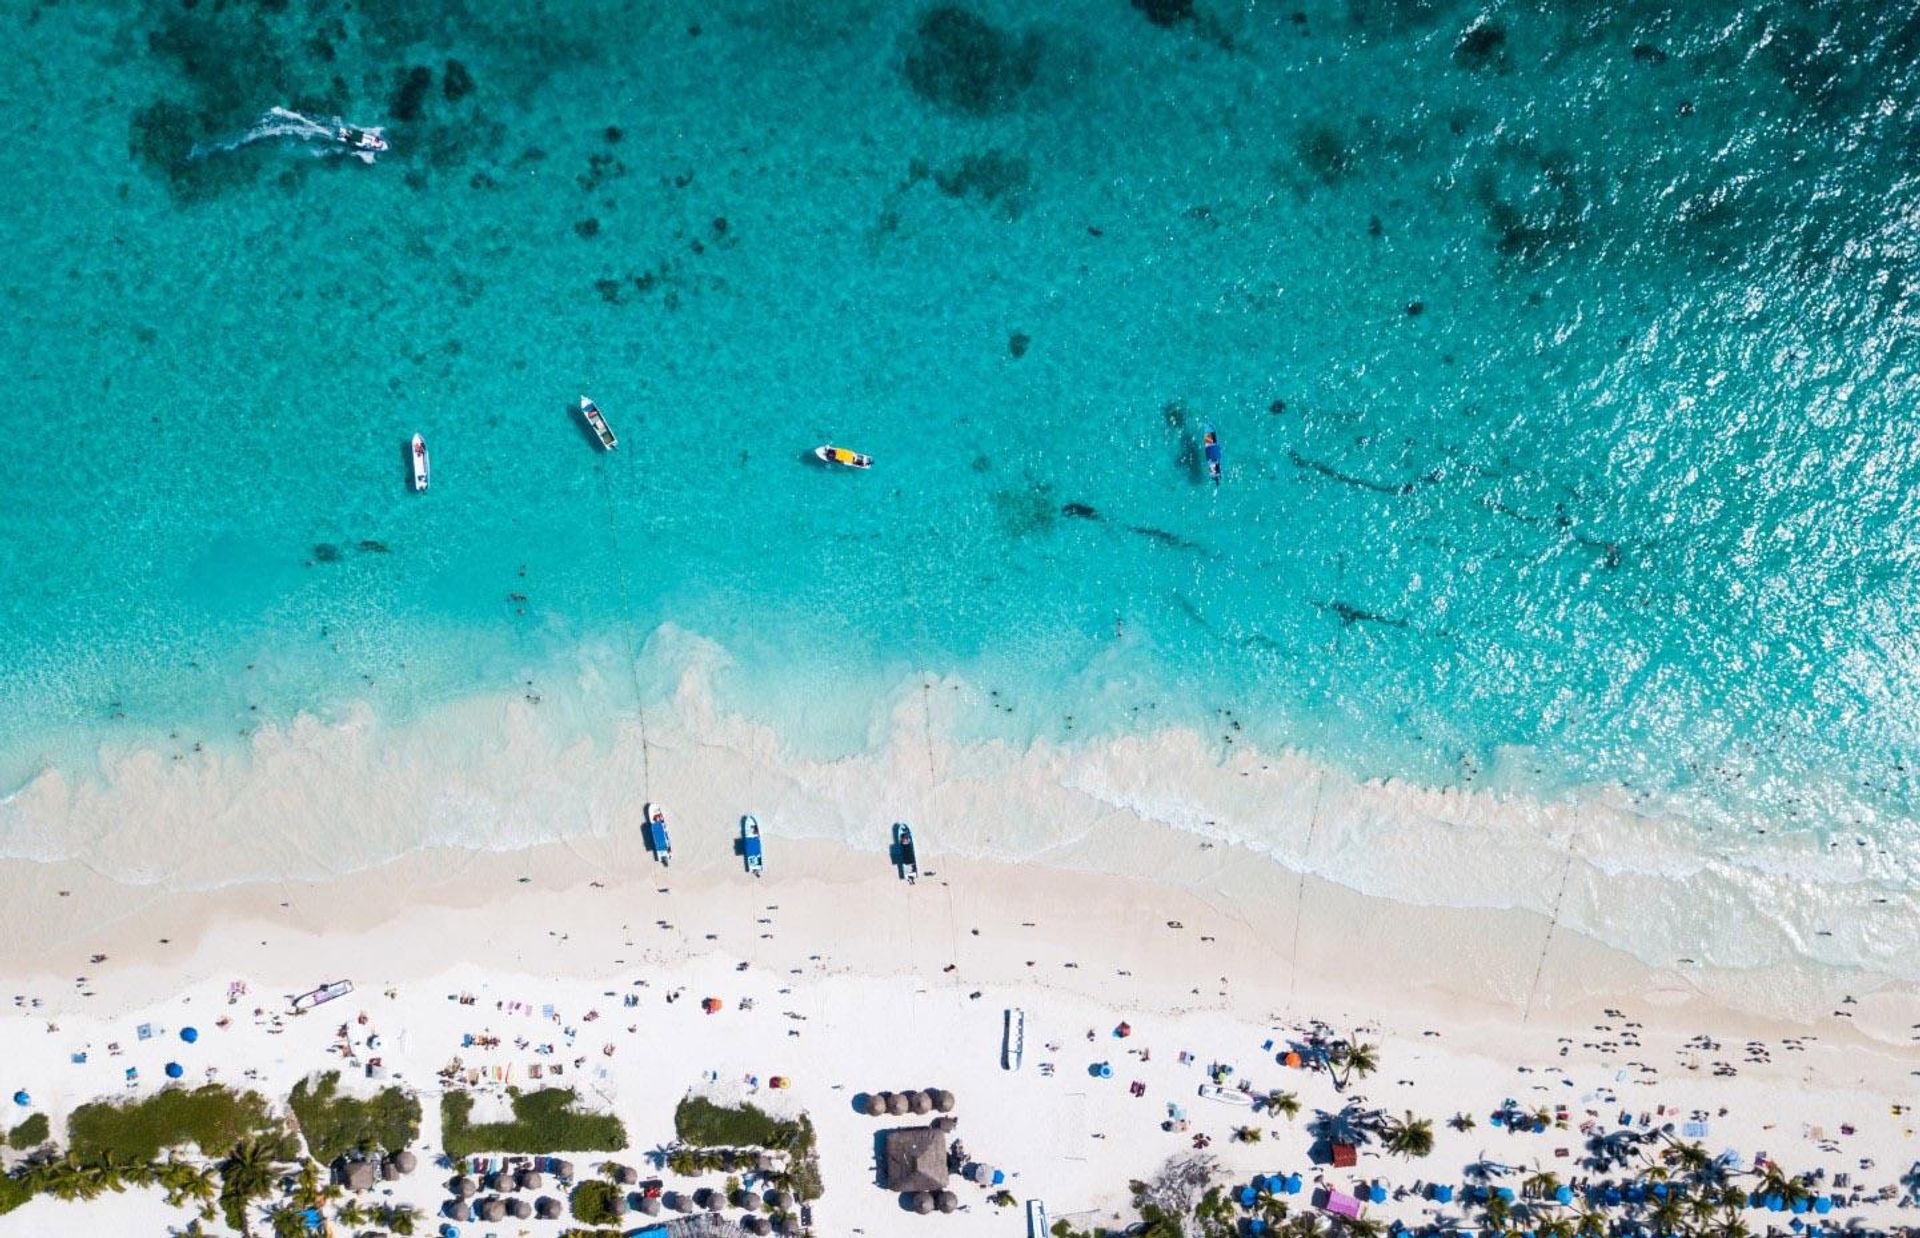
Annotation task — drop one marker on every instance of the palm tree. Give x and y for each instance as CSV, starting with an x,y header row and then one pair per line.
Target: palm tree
x,y
1305,1225
1667,1215
1558,1227
1286,1104
1246,1134
1542,1184
248,1172
1703,1208
1497,1215
401,1220
1409,1136
1361,1227
1776,1181
1589,1222
1354,1059
1461,1122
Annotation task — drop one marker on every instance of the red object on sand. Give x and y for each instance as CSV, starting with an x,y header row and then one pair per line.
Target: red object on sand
x,y
1345,1156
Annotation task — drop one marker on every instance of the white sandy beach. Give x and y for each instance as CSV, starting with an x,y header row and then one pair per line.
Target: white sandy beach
x,y
277,880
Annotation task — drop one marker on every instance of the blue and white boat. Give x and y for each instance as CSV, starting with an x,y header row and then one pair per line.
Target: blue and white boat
x,y
750,843
654,830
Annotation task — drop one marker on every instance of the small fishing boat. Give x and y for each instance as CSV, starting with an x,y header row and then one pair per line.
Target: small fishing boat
x,y
654,831
1039,1225
591,412
1212,445
421,471
750,843
829,454
1226,1096
358,139
903,856
322,995
1013,1038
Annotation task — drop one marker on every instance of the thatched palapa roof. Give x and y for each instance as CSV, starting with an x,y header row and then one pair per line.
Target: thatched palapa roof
x,y
915,1159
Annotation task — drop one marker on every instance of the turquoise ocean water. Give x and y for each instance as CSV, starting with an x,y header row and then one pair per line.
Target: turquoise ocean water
x,y
1563,355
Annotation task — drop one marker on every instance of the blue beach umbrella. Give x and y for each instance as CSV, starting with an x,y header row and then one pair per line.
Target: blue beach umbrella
x,y
1444,1193
174,1070
189,1034
1294,1184
1505,1193
1377,1193
1247,1196
22,1099
1823,1205
1563,1195
1799,1206
1776,1204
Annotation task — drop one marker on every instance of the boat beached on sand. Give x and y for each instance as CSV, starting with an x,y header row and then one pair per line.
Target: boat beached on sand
x,y
750,843
654,831
591,412
418,454
1013,1038
829,454
903,856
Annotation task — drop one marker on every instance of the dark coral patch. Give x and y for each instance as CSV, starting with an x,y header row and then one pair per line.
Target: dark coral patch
x,y
411,93
456,83
960,61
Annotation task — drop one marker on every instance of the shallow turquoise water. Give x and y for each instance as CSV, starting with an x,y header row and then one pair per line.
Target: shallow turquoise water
x,y
1563,358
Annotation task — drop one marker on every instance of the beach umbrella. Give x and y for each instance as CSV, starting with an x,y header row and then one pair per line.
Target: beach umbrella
x,y
756,1225
448,1231
923,1202
500,1180
650,1204
547,1208
520,1209
1247,1196
462,1187
746,1201
946,1201
404,1161
389,1172
625,1175
529,1179
1295,1185
876,1104
1776,1203
1562,1195
459,1210
898,1103
679,1201
175,1070
921,1102
782,1200
21,1098
1505,1193
1444,1193
1104,1070
1823,1205
943,1101
1799,1205
189,1034
715,1201
493,1210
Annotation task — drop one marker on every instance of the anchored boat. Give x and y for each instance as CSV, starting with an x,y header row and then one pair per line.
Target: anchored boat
x,y
829,454
750,843
591,412
903,856
654,831
421,472
1212,445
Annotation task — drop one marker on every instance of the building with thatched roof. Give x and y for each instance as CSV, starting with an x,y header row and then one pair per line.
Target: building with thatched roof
x,y
914,1158
356,1175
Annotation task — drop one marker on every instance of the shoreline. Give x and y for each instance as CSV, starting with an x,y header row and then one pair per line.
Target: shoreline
x,y
497,781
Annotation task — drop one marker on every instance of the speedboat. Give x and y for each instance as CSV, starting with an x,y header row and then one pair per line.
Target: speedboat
x,y
1013,1038
591,412
1212,445
829,454
750,843
1226,1096
419,457
654,831
357,138
1039,1225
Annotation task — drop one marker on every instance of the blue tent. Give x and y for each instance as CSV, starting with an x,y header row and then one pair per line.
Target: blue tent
x,y
1294,1184
189,1034
1563,1195
1247,1196
1377,1193
174,1071
1443,1193
1799,1206
1776,1203
1823,1205
1612,1196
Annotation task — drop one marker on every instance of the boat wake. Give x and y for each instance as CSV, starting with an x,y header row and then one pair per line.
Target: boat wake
x,y
331,136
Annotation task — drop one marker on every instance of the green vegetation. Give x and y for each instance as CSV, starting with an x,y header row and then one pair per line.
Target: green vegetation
x,y
1408,1136
14,1191
249,1172
700,1122
591,1233
212,1118
543,1121
31,1133
593,1202
335,1125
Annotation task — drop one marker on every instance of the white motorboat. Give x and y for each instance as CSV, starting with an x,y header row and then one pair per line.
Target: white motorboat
x,y
422,473
591,412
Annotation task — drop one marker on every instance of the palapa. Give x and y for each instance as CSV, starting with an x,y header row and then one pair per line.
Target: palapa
x,y
915,1159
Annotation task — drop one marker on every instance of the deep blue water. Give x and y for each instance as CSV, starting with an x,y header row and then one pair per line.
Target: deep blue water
x,y
1563,356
